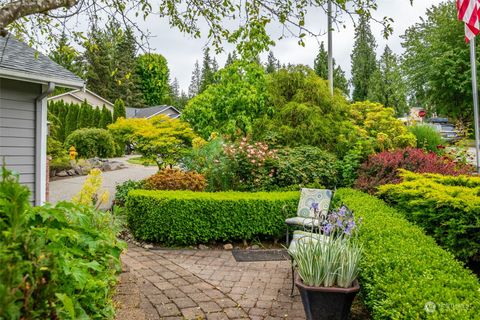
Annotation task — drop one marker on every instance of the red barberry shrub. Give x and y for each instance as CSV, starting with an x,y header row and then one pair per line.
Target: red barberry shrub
x,y
174,179
382,168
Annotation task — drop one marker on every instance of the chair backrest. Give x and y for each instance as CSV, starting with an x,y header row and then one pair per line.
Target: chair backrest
x,y
308,196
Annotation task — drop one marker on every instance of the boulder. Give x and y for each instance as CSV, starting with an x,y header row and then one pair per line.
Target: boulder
x,y
228,246
71,172
62,173
202,247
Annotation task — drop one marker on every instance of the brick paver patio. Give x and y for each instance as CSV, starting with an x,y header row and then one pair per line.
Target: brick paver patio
x,y
207,284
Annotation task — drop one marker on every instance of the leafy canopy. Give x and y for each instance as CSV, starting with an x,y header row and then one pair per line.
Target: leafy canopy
x,y
160,138
231,105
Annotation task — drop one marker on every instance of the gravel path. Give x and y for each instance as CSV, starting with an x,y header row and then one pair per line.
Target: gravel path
x,y
65,189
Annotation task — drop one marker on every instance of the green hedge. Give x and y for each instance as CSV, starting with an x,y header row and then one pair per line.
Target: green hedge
x,y
186,217
404,273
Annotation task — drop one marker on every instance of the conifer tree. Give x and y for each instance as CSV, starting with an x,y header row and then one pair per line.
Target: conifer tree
x,y
272,63
207,77
231,58
320,66
105,118
364,61
96,118
126,79
195,83
84,115
71,119
119,110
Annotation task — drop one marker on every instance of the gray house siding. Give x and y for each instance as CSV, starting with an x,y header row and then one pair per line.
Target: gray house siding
x,y
17,128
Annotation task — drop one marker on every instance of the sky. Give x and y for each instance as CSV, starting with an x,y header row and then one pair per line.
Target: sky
x,y
181,51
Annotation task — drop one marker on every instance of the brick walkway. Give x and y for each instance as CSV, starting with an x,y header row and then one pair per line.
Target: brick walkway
x,y
206,284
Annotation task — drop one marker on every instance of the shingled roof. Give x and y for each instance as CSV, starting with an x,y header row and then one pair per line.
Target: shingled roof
x,y
149,112
20,62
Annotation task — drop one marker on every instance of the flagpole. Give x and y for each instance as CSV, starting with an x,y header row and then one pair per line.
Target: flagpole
x,y
330,48
473,62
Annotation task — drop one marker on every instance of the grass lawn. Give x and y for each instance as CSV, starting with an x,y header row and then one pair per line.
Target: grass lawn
x,y
142,161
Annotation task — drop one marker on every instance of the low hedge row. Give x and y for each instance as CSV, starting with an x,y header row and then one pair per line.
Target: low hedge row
x,y
404,273
446,207
187,217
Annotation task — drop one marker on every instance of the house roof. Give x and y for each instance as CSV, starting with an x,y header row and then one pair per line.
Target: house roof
x,y
73,93
18,61
151,111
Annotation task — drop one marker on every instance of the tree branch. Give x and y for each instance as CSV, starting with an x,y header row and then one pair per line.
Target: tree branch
x,y
14,10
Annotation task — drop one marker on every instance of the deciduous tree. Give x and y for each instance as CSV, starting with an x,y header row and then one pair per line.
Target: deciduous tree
x,y
153,74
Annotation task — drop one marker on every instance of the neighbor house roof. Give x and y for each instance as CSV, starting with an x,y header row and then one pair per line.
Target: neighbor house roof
x,y
81,95
149,112
18,61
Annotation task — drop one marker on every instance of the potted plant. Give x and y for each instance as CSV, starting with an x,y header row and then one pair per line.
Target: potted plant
x,y
327,265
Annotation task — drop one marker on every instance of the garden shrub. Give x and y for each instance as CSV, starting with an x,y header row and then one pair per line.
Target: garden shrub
x,y
428,138
122,190
188,218
303,166
447,207
382,168
174,179
57,262
403,271
91,142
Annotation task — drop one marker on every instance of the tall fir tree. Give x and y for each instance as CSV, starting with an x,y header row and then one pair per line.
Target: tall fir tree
x,y
119,110
207,77
231,58
195,82
320,66
272,64
387,85
67,56
364,61
126,79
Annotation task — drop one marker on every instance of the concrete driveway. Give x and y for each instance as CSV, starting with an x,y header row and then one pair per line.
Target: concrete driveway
x,y
65,189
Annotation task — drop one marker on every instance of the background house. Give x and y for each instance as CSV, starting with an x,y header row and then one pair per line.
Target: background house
x,y
170,111
80,95
26,78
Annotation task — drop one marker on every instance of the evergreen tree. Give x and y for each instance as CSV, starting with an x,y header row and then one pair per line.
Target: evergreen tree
x,y
320,66
194,87
71,119
231,58
97,118
126,79
207,77
119,110
363,58
272,63
99,53
387,84
154,75
84,115
105,118
66,56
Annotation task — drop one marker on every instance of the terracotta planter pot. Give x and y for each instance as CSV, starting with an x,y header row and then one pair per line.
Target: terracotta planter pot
x,y
327,303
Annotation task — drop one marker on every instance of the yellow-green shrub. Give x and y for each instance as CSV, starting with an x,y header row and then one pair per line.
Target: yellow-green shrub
x,y
447,207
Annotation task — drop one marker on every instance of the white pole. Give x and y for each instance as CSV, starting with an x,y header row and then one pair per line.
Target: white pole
x,y
473,62
330,49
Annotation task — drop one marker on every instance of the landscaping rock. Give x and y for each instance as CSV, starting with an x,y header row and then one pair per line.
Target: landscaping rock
x,y
71,172
228,246
255,247
202,247
62,173
148,246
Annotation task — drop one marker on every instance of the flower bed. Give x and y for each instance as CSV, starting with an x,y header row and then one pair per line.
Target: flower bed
x,y
404,273
187,218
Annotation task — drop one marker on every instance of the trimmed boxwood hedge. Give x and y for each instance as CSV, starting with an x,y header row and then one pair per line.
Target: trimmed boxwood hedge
x,y
404,273
187,217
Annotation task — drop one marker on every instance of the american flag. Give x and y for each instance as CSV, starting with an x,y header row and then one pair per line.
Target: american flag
x,y
468,11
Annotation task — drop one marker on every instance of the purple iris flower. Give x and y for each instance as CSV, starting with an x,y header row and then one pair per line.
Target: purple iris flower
x,y
327,229
342,211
